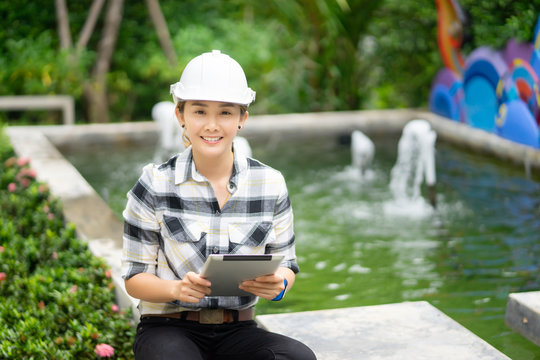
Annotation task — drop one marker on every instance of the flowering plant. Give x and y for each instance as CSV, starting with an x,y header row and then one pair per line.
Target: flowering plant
x,y
104,350
57,298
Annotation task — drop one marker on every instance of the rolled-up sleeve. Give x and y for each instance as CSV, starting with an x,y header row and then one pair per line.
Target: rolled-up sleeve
x,y
141,228
284,229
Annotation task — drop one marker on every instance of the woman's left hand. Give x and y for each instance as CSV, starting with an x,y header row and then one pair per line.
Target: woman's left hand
x,y
267,287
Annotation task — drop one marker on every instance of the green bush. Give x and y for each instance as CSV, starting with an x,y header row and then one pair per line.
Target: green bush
x,y
33,66
57,298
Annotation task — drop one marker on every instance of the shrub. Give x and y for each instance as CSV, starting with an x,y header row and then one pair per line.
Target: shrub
x,y
57,298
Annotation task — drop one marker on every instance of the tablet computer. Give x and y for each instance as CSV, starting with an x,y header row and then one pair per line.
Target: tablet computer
x,y
227,271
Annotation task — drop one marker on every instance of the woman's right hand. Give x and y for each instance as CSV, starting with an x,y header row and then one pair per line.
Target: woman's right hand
x,y
192,288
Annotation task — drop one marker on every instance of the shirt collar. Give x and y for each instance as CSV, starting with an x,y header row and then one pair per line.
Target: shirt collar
x,y
185,168
239,167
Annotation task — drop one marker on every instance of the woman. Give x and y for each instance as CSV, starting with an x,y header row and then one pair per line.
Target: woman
x,y
207,200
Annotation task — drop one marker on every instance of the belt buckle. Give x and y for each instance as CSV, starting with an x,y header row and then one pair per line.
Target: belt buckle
x,y
211,316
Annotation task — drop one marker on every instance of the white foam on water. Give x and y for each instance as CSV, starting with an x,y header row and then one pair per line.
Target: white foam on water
x,y
333,286
343,297
358,269
409,208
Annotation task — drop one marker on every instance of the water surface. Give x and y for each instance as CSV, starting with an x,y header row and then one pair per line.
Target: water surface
x,y
357,246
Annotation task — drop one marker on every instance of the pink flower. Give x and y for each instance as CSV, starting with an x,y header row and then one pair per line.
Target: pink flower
x,y
3,276
10,162
54,255
108,273
2,249
25,182
23,161
26,172
114,308
31,173
104,350
12,187
73,289
50,216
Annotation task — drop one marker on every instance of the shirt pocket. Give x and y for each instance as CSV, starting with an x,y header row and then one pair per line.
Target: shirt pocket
x,y
249,237
183,230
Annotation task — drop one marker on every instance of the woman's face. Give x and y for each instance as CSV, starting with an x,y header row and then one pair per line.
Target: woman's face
x,y
211,126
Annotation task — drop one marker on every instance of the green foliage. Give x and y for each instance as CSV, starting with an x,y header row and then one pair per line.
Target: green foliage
x,y
57,298
323,58
299,55
6,151
495,22
404,54
33,66
252,46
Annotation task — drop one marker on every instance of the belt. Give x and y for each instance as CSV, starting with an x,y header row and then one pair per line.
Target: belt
x,y
210,316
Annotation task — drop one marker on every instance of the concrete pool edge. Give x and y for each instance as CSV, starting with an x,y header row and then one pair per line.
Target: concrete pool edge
x,y
407,330
96,222
523,314
373,122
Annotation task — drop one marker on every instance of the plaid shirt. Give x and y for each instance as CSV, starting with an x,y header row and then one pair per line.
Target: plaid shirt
x,y
172,222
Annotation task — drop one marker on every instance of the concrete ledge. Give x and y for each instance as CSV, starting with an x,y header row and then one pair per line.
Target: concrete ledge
x,y
410,330
41,102
523,314
373,123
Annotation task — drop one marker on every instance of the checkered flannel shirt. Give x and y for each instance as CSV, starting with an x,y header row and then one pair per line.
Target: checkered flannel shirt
x,y
172,222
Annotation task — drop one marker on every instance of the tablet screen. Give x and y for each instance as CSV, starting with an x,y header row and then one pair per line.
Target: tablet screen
x,y
227,271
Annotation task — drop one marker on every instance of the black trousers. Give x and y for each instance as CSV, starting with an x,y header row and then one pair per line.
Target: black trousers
x,y
175,339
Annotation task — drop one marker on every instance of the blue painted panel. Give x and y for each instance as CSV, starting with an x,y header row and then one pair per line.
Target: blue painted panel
x,y
481,104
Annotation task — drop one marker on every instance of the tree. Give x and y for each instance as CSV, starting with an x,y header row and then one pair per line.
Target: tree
x,y
63,24
89,24
95,89
162,30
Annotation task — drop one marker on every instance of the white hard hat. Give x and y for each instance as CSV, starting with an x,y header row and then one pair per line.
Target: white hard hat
x,y
213,76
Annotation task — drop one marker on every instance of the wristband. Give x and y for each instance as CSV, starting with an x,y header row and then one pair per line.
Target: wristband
x,y
280,295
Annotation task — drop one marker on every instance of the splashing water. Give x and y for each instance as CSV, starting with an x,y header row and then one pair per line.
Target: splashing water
x,y
362,152
415,164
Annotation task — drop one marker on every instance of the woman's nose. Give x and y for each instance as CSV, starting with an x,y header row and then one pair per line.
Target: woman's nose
x,y
212,123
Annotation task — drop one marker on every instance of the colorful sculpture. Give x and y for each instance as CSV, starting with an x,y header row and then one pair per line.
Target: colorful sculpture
x,y
496,91
516,123
447,95
450,21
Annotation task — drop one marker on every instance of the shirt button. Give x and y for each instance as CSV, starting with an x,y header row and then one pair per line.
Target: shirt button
x,y
215,250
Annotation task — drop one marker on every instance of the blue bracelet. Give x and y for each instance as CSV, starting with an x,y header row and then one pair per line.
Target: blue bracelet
x,y
280,295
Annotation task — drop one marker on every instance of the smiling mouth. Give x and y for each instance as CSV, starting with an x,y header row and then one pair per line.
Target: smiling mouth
x,y
211,139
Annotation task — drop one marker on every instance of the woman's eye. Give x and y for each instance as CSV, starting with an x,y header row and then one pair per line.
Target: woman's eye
x,y
199,112
225,113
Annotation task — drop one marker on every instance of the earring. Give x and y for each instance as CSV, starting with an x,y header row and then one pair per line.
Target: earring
x,y
183,125
239,127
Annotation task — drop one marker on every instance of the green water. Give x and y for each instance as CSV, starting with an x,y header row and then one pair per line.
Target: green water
x,y
357,247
